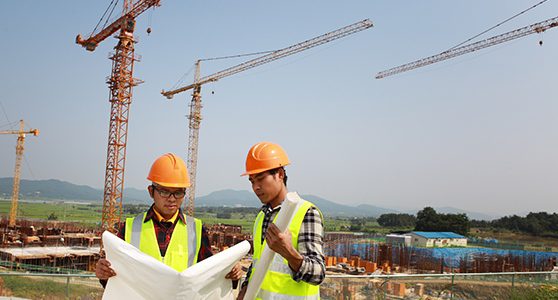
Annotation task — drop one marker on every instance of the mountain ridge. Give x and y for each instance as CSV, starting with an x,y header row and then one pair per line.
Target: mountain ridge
x,y
53,189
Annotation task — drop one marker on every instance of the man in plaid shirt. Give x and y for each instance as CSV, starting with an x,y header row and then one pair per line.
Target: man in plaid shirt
x,y
265,167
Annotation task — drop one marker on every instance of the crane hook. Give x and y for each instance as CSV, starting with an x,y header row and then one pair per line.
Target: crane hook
x,y
148,30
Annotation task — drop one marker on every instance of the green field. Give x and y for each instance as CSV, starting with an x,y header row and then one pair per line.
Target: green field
x,y
81,213
48,288
90,214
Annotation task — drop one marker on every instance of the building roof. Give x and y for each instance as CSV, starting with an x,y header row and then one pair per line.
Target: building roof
x,y
438,235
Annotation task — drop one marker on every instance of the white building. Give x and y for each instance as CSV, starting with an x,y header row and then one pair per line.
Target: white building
x,y
398,239
437,239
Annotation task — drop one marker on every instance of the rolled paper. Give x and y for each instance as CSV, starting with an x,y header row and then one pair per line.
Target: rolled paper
x,y
288,209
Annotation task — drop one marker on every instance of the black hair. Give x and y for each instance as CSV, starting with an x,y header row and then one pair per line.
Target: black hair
x,y
274,171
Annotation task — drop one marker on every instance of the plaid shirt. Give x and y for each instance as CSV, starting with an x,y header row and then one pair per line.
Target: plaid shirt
x,y
163,232
310,244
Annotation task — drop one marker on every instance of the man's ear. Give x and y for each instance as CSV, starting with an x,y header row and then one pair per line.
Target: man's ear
x,y
281,174
150,190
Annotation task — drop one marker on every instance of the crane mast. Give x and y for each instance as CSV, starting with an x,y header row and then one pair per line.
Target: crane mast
x,y
17,170
194,119
120,82
508,36
195,104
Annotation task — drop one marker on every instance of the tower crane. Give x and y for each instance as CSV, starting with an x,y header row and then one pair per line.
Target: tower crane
x,y
17,170
508,36
120,84
195,104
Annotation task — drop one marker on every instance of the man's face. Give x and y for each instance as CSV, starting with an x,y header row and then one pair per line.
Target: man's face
x,y
267,186
167,199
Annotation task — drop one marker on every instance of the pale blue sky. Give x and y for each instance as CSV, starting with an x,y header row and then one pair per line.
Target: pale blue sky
x,y
479,132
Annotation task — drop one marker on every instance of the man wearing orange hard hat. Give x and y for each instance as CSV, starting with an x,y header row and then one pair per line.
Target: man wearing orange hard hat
x,y
164,232
302,269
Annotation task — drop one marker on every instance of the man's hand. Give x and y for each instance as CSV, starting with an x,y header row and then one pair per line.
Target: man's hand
x,y
280,242
235,273
103,269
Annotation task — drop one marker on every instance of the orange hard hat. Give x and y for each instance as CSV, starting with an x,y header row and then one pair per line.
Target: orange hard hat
x,y
169,170
265,156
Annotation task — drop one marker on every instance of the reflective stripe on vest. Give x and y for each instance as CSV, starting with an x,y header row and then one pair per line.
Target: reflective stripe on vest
x,y
274,296
278,282
175,257
192,240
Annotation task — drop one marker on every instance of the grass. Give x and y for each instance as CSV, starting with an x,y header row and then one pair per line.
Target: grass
x,y
90,215
246,220
70,212
510,237
34,288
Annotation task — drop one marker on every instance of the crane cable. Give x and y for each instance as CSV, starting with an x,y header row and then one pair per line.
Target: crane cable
x,y
103,16
12,124
6,115
183,76
508,19
236,56
216,58
149,19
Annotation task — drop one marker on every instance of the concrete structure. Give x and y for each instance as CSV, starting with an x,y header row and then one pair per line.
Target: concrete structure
x,y
437,239
75,258
398,239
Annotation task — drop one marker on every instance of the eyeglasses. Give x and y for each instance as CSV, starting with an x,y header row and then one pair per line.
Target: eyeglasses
x,y
166,194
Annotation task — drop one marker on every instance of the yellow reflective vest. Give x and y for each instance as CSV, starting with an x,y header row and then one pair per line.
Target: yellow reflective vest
x,y
184,246
278,282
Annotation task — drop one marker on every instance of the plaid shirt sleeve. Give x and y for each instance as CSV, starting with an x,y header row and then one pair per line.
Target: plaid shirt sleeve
x,y
205,249
310,246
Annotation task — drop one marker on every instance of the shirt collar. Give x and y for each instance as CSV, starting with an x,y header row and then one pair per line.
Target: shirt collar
x,y
154,215
266,208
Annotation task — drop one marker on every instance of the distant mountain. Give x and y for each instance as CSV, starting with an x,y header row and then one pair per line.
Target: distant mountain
x,y
230,198
339,210
136,196
49,189
472,215
233,198
53,189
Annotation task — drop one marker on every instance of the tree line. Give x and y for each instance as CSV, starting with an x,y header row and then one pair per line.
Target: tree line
x,y
427,220
535,223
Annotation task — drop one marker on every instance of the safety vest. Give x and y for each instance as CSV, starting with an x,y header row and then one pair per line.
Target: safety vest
x,y
278,282
184,246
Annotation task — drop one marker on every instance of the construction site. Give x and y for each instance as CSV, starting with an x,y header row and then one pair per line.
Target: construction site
x,y
71,239
398,271
358,265
59,247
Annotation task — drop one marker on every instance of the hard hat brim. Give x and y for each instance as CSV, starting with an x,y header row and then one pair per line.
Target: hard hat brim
x,y
261,170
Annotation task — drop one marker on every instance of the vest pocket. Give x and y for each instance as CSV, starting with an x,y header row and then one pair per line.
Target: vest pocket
x,y
177,258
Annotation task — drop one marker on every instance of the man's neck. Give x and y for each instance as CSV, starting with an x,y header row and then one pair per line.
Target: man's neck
x,y
279,199
162,218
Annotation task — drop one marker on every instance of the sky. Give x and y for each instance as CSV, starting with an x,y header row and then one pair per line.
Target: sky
x,y
478,132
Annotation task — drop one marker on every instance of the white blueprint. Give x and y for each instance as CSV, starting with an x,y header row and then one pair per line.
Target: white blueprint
x,y
140,276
